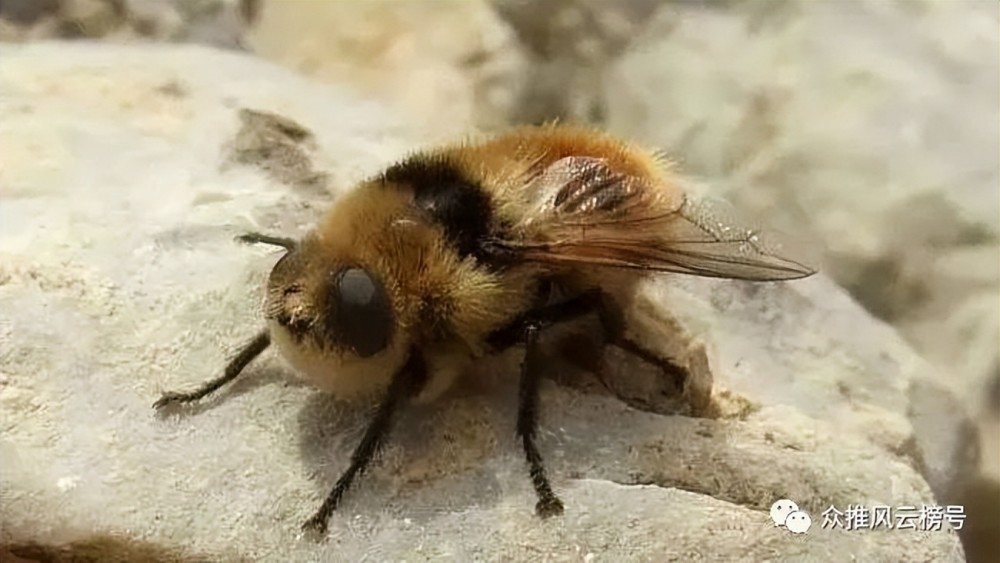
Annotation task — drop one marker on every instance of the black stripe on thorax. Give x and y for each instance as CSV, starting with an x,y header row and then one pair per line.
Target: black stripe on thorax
x,y
455,202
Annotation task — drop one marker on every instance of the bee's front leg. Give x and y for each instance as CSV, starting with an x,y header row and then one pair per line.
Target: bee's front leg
x,y
236,366
406,384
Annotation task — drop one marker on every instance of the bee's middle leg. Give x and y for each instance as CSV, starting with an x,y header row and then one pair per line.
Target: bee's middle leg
x,y
527,426
527,329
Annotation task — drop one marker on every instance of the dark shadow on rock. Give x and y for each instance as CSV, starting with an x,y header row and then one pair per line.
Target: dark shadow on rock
x,y
419,472
581,357
442,456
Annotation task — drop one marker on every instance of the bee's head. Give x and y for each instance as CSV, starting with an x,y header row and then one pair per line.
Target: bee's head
x,y
340,308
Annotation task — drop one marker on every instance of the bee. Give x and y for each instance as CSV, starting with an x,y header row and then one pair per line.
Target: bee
x,y
456,253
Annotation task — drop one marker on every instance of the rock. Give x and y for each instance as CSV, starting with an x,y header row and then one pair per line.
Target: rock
x,y
27,12
126,177
869,127
214,22
96,548
570,44
451,65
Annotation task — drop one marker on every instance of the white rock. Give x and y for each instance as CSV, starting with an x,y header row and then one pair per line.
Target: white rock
x,y
450,65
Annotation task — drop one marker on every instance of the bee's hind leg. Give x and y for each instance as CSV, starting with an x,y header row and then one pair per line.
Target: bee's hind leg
x,y
236,366
407,383
614,330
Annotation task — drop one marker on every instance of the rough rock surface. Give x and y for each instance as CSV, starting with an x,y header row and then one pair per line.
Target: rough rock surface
x,y
870,124
450,64
213,22
571,45
884,145
121,187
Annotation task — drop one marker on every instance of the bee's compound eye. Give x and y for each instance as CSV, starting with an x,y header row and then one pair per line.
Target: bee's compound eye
x,y
361,316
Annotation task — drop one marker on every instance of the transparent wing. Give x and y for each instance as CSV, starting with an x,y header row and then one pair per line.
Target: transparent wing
x,y
587,213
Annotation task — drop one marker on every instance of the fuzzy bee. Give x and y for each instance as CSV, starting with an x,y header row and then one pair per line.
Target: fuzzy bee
x,y
466,250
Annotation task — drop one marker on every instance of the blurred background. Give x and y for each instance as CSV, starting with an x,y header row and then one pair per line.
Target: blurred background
x,y
872,126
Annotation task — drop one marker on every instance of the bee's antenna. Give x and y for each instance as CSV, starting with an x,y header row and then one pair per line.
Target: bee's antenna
x,y
255,238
